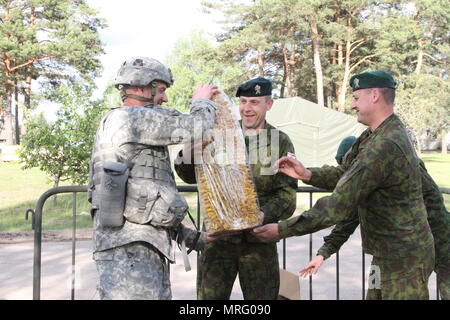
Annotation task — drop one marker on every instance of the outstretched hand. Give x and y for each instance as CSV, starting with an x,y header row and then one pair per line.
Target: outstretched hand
x,y
213,237
193,151
205,91
293,168
312,267
267,233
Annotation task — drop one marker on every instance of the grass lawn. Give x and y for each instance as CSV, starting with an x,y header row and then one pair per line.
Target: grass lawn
x,y
20,190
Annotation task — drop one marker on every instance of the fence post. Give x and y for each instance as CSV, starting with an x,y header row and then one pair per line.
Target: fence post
x,y
38,233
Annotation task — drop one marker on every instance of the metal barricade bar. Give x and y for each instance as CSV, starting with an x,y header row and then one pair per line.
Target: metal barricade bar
x,y
37,227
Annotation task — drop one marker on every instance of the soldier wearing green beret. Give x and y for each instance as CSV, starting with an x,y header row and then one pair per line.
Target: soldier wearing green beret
x,y
256,262
380,183
438,219
344,146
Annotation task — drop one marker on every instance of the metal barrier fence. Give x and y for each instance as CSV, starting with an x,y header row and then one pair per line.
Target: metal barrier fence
x,y
37,227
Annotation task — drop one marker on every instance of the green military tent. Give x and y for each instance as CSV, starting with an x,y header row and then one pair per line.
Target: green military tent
x,y
316,131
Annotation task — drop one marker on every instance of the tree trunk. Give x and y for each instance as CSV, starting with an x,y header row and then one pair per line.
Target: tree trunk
x,y
56,180
260,62
316,57
338,83
419,60
283,85
26,103
340,54
16,116
420,42
290,74
343,91
443,141
27,88
27,93
8,118
419,148
286,68
342,86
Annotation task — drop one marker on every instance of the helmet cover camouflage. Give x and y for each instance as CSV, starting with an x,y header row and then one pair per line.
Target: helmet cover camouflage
x,y
141,71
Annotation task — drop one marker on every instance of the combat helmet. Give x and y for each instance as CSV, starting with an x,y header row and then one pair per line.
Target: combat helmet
x,y
142,71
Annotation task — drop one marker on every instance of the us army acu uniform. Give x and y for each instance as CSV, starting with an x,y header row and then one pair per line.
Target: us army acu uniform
x,y
382,186
255,262
438,219
136,207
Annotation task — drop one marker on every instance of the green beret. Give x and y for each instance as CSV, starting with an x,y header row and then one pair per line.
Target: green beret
x,y
257,87
372,79
344,146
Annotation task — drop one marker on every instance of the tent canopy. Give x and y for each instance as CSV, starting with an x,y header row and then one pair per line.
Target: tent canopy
x,y
315,131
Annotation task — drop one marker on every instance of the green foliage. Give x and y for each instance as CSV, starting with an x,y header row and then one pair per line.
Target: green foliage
x,y
62,149
422,104
49,41
195,60
409,38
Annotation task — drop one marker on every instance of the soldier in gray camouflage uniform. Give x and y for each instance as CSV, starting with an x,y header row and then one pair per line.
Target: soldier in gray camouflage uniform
x,y
383,186
136,208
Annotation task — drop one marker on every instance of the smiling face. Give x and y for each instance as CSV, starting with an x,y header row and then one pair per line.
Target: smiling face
x,y
160,96
363,105
253,111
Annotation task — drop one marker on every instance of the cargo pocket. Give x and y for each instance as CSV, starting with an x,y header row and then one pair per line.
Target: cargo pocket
x,y
141,198
107,255
170,208
355,168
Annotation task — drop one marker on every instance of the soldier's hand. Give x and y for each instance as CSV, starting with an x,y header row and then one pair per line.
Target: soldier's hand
x,y
193,152
267,233
312,267
293,168
214,237
261,218
205,91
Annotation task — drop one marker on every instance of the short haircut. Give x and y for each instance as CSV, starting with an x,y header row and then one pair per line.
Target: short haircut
x,y
388,95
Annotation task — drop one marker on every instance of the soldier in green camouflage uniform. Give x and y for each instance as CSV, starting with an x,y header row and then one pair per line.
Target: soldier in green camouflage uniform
x,y
255,262
383,186
438,218
134,227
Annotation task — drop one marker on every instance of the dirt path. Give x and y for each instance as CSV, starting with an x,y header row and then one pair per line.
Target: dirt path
x,y
47,235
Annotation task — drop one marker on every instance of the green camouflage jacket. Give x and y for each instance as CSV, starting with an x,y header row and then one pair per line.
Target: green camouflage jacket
x,y
382,186
438,219
276,193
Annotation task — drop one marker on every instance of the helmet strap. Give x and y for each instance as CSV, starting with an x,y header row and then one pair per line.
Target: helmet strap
x,y
130,95
153,91
124,95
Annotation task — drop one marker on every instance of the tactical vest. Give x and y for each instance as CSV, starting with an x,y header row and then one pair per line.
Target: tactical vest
x,y
150,194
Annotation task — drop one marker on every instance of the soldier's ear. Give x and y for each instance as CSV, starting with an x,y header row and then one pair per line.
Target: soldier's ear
x,y
376,95
269,104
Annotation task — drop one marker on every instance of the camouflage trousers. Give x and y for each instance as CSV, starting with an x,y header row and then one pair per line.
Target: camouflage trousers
x,y
443,282
135,271
400,279
222,261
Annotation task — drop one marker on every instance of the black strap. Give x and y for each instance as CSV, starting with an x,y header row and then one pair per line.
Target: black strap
x,y
198,233
192,220
195,241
